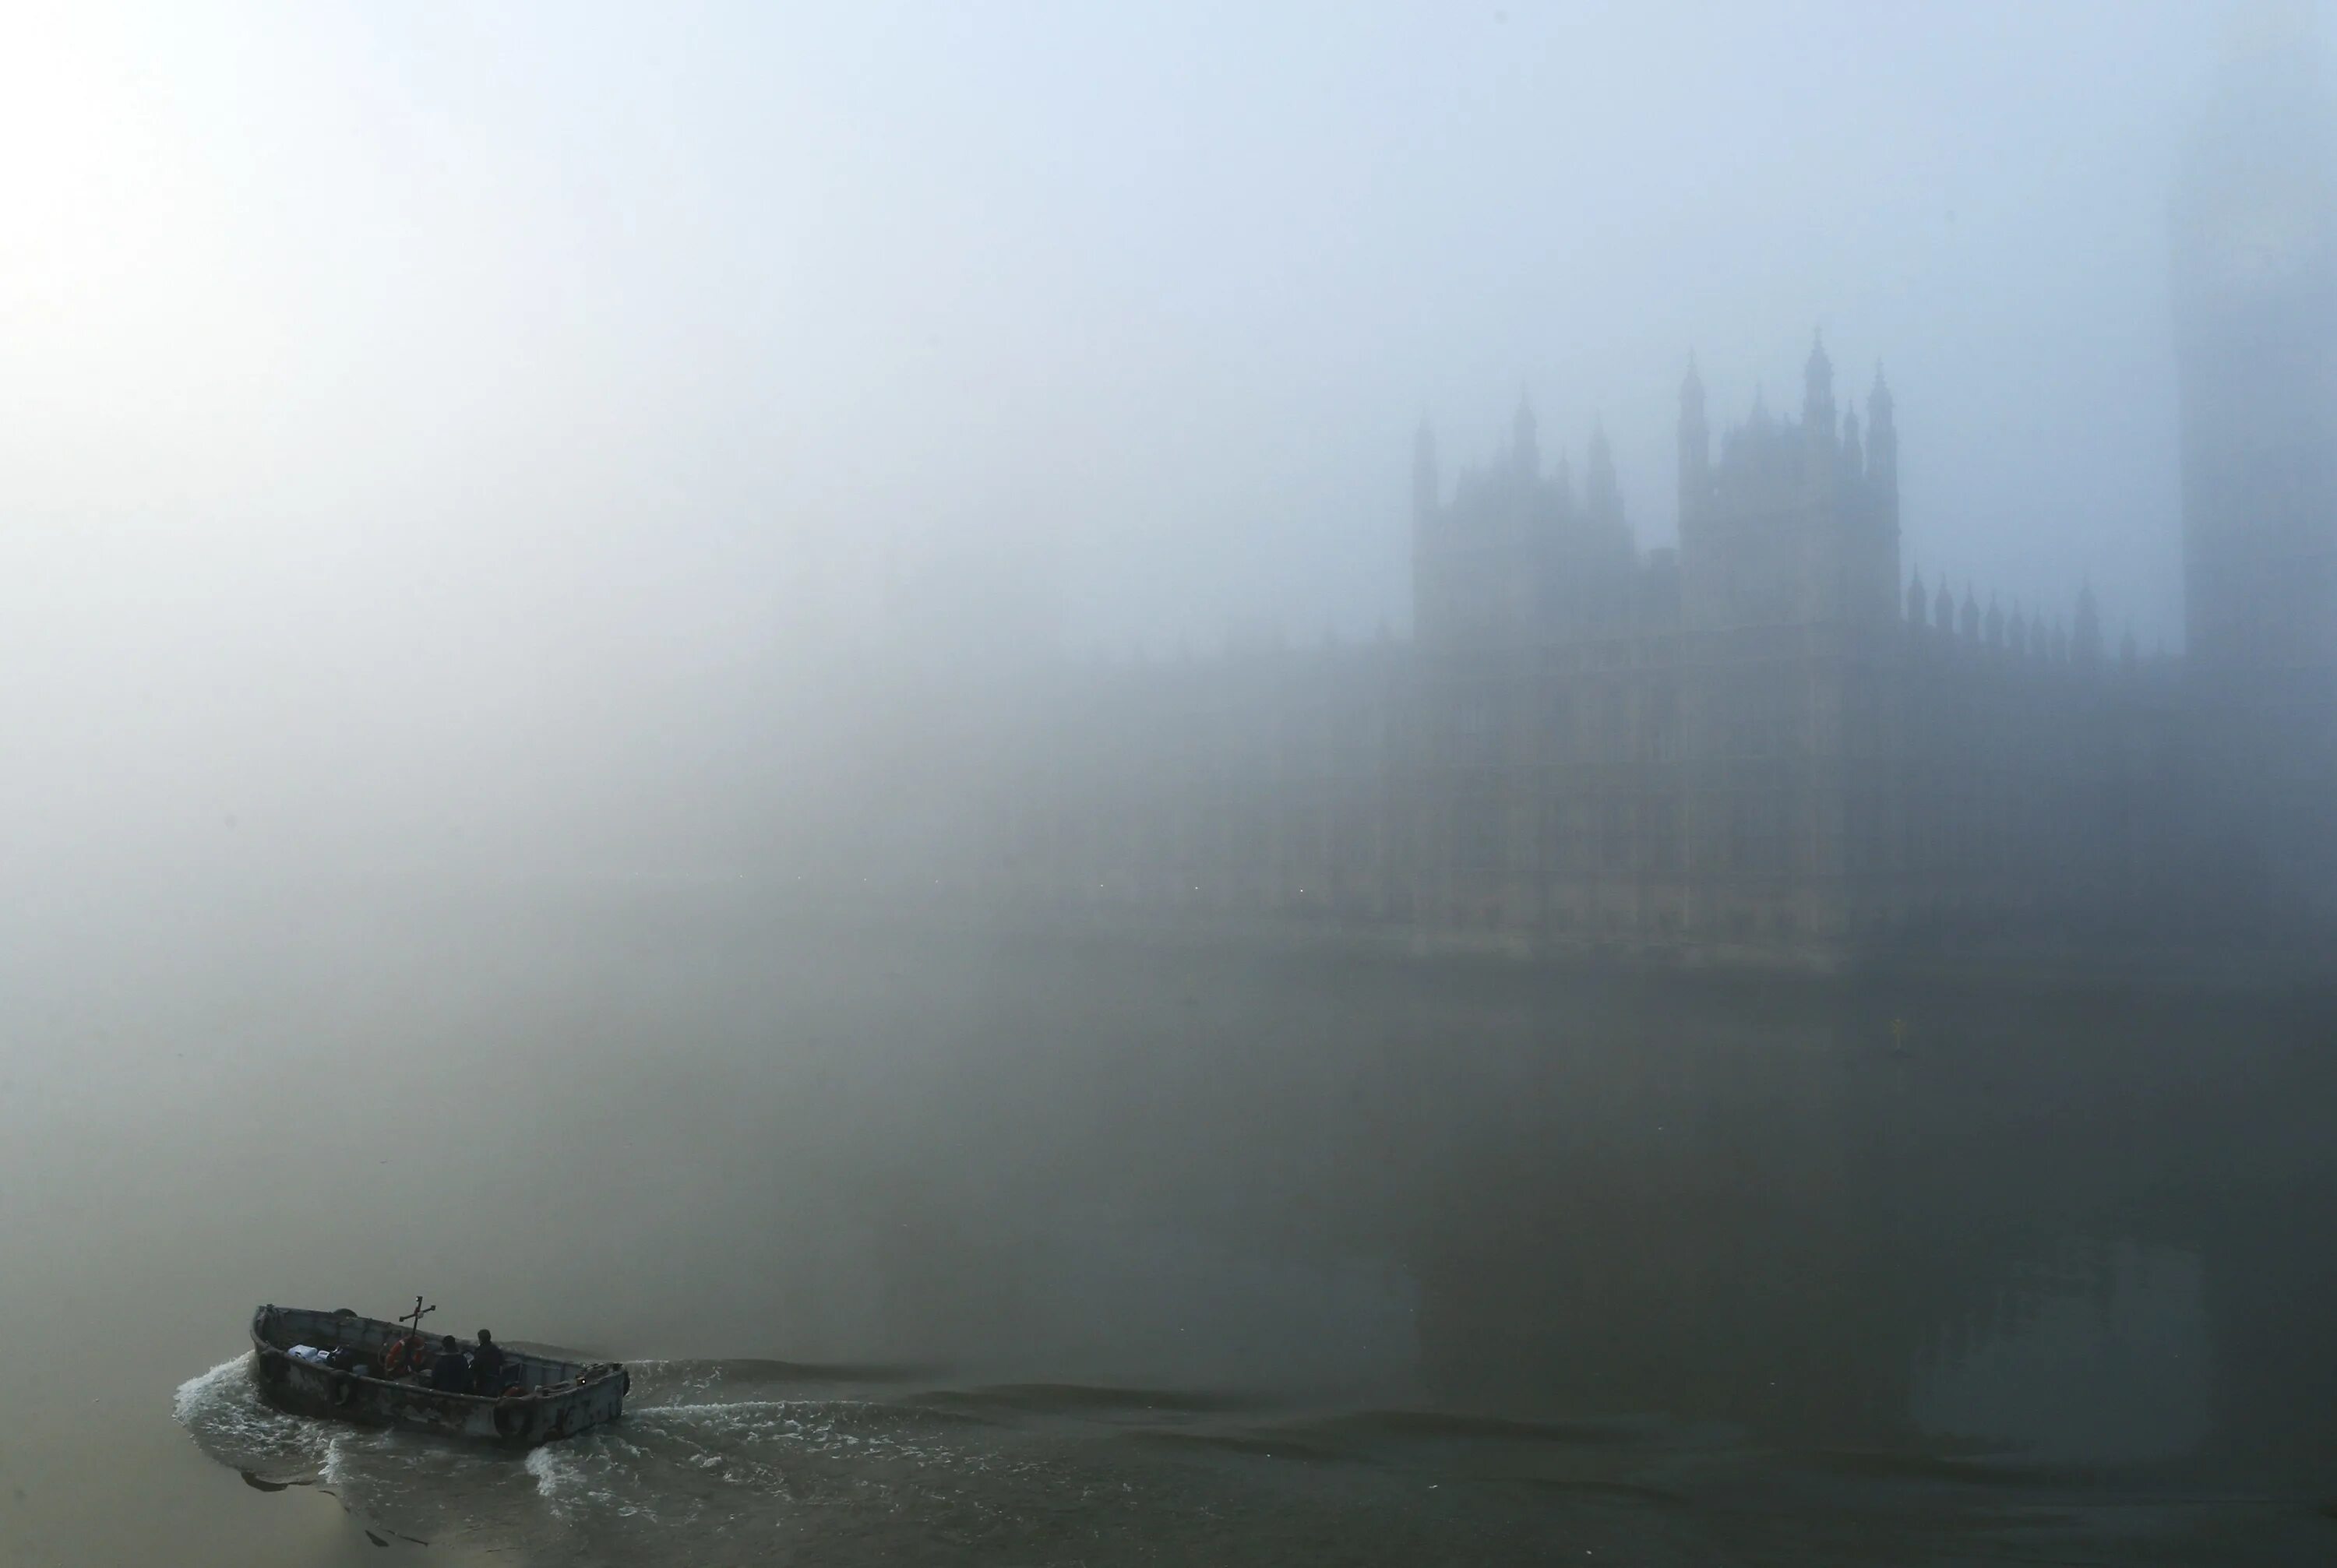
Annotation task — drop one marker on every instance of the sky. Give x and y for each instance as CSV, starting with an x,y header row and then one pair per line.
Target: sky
x,y
387,383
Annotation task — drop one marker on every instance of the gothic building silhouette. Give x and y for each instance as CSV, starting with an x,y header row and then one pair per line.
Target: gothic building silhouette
x,y
1772,744
1745,744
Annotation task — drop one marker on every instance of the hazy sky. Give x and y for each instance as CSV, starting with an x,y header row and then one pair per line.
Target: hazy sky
x,y
377,371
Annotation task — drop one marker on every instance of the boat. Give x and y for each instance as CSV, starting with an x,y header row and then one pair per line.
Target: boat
x,y
337,1364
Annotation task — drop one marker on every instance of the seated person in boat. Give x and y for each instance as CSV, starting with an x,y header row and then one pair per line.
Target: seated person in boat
x,y
450,1373
404,1355
487,1366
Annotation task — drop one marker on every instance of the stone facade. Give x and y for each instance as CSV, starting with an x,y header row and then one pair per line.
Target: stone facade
x,y
1757,747
1766,744
1746,745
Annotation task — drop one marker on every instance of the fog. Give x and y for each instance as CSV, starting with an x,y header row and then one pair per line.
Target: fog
x,y
410,415
803,693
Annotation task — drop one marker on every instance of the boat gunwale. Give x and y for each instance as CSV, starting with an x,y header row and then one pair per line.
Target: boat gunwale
x,y
589,1374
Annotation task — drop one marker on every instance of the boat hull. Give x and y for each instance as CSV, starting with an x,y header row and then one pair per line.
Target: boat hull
x,y
551,1406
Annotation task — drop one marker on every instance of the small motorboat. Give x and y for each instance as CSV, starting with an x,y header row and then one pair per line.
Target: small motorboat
x,y
363,1369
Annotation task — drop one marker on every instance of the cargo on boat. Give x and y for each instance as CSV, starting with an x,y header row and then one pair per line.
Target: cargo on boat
x,y
362,1369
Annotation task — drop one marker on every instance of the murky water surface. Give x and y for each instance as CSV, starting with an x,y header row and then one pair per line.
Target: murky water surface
x,y
976,1250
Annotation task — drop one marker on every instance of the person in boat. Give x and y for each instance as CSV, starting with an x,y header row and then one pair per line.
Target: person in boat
x,y
487,1366
403,1355
450,1372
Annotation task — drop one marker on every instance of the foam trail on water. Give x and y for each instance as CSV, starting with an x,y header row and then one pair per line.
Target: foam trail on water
x,y
585,1473
197,1393
333,1472
551,1477
559,1480
222,1411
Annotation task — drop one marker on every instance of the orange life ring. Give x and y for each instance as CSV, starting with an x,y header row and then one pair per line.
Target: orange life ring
x,y
393,1359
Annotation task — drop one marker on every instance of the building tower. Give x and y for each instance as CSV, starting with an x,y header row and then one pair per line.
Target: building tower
x,y
1882,458
2254,235
1695,446
1817,403
2255,240
1424,490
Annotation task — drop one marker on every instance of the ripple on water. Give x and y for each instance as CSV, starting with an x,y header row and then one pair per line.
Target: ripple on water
x,y
221,1409
721,1465
717,1453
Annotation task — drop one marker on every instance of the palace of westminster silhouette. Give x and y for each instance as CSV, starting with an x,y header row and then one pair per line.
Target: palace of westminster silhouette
x,y
1771,744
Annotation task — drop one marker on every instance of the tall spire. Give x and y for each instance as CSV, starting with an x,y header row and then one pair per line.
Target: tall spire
x,y
1817,389
1883,450
2086,641
1917,606
1523,447
1695,444
1424,482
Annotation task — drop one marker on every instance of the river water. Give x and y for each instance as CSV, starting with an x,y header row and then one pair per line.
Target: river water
x,y
979,1249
